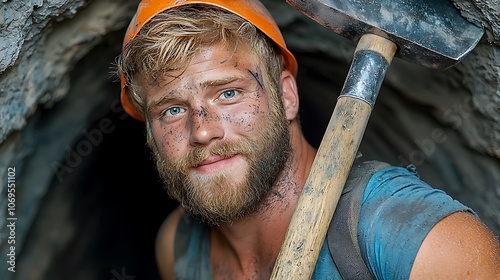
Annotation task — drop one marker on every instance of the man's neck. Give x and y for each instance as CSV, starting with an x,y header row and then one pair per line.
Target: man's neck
x,y
248,248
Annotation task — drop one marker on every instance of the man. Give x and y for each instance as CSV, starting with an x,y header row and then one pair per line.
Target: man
x,y
215,85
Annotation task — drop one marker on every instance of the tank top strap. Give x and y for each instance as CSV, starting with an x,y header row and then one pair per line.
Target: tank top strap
x,y
192,250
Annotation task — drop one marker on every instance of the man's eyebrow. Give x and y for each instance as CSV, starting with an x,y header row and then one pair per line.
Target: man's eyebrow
x,y
221,82
164,99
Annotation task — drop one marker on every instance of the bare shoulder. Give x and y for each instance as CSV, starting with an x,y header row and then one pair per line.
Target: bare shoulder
x,y
458,247
165,244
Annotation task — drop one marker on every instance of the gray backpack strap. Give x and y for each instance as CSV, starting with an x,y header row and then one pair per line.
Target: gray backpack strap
x,y
342,235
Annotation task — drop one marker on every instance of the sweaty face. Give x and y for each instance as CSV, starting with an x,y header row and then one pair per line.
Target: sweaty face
x,y
218,135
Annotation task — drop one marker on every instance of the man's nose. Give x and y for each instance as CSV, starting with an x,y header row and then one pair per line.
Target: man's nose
x,y
205,127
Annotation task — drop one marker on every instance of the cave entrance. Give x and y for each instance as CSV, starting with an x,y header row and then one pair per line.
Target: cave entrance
x,y
99,216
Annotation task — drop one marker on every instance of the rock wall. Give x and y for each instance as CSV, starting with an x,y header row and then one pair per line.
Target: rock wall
x,y
62,129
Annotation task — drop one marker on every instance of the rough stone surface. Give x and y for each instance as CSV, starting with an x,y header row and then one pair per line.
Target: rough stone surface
x,y
41,43
43,40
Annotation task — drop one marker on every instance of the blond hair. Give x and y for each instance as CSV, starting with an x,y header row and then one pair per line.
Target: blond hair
x,y
170,39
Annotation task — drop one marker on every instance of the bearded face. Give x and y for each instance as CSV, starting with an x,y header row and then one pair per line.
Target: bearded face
x,y
216,198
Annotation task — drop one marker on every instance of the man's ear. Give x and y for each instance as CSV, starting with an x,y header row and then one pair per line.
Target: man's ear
x,y
290,95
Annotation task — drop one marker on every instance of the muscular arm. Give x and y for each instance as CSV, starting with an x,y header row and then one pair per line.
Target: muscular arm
x,y
165,245
458,247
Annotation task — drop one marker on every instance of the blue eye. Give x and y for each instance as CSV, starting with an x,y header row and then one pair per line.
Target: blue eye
x,y
229,94
174,111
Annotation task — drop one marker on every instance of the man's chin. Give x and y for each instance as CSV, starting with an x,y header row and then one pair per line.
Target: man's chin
x,y
223,207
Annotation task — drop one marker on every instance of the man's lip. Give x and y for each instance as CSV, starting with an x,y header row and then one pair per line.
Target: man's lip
x,y
213,159
215,164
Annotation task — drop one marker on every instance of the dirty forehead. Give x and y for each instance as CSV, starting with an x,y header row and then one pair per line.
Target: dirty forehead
x,y
214,66
251,10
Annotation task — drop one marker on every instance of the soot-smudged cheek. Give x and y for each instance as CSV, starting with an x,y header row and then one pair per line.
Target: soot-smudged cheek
x,y
171,137
247,120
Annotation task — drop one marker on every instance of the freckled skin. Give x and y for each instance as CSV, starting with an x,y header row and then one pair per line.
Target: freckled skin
x,y
205,116
207,112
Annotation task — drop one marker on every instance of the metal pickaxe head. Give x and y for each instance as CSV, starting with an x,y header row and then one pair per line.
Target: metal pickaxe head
x,y
427,32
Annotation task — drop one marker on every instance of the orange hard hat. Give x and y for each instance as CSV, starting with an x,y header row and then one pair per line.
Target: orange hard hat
x,y
251,10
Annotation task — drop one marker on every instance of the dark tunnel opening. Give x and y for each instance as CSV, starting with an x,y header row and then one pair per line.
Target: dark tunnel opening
x,y
99,217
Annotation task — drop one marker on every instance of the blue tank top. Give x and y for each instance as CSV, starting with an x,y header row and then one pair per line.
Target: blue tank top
x,y
397,211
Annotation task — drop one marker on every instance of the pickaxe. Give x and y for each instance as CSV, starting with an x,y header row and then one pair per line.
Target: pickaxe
x,y
431,33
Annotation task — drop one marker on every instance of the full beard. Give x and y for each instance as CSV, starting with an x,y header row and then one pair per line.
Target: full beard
x,y
218,198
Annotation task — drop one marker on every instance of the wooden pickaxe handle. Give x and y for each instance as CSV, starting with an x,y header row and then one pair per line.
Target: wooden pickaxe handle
x,y
337,151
